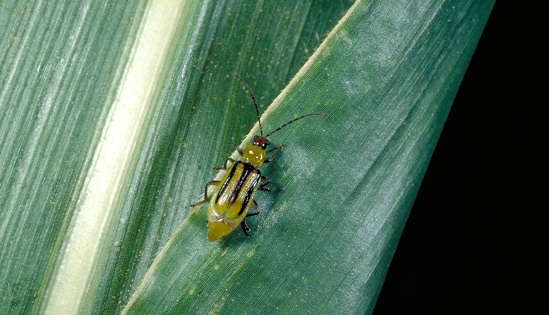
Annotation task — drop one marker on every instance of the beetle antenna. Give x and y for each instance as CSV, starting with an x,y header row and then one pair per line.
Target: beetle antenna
x,y
293,120
253,99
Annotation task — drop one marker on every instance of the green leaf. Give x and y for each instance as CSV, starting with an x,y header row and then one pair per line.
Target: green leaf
x,y
113,116
386,77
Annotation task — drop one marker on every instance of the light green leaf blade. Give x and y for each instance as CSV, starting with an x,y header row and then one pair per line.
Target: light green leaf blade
x,y
344,184
54,99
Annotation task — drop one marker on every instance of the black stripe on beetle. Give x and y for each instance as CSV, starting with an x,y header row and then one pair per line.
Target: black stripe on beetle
x,y
241,180
251,188
226,183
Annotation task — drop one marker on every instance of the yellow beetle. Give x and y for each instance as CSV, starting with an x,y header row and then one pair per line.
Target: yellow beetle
x,y
234,193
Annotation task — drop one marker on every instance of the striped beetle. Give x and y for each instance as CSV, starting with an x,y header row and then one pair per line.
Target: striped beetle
x,y
234,193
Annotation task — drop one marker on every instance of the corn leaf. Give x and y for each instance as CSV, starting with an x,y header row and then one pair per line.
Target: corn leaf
x,y
113,115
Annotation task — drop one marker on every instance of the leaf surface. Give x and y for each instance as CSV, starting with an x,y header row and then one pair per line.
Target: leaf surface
x,y
113,116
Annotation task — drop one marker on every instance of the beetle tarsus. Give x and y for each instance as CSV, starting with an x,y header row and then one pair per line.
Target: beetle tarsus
x,y
245,228
262,186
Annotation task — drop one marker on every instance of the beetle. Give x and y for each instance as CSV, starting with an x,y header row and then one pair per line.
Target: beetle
x,y
234,193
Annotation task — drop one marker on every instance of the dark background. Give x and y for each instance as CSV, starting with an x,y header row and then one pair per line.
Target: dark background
x,y
454,256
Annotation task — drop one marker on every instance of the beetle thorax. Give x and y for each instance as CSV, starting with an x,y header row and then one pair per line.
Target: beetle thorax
x,y
254,155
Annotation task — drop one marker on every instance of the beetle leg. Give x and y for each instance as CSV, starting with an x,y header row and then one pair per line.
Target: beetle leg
x,y
237,149
276,149
224,167
254,204
262,186
243,224
245,228
273,150
213,183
